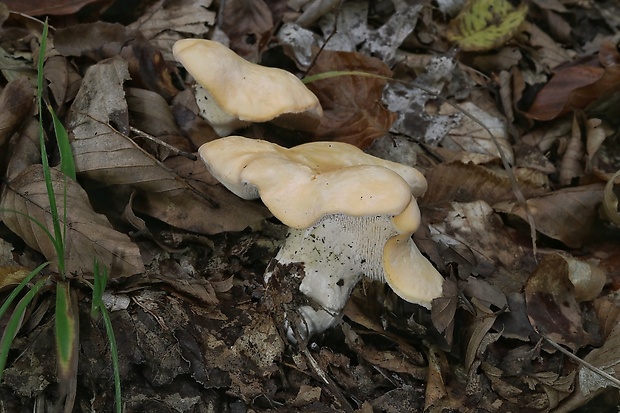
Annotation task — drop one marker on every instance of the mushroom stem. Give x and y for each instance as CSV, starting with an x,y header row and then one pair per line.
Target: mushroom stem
x,y
334,254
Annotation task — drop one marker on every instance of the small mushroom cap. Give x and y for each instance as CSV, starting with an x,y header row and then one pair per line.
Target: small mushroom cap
x,y
251,92
302,184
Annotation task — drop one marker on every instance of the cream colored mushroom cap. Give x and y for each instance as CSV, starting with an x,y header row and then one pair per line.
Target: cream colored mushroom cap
x,y
249,91
305,183
408,273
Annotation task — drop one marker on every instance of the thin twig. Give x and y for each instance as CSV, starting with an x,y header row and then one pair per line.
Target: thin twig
x,y
152,138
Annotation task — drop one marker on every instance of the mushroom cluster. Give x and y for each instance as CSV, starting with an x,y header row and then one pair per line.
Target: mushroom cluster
x,y
349,214
232,92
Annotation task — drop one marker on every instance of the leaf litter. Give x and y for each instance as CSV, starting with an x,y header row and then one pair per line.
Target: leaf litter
x,y
202,332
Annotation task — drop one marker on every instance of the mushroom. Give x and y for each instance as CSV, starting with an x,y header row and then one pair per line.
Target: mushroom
x,y
349,214
233,92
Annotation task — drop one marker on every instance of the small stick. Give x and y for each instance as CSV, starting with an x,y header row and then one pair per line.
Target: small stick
x,y
174,150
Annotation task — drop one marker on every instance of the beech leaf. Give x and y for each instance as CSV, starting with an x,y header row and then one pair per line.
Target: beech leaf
x,y
486,24
552,305
352,109
566,215
89,234
98,121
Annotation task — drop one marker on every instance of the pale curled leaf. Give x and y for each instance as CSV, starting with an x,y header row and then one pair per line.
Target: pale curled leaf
x,y
89,234
103,151
610,201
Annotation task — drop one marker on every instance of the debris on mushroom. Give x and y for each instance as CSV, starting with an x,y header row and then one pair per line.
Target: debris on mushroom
x,y
349,214
232,92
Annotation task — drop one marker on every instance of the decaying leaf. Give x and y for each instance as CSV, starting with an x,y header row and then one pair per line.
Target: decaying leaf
x,y
566,215
574,87
466,182
470,136
15,103
43,7
571,166
248,24
103,151
552,293
64,79
89,235
610,201
165,22
486,24
352,107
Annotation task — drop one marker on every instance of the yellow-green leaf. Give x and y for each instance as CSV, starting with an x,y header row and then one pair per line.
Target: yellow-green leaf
x,y
486,24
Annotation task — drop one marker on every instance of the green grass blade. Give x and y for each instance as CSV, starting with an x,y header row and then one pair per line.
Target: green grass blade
x,y
58,240
13,325
114,353
100,279
20,287
67,164
337,73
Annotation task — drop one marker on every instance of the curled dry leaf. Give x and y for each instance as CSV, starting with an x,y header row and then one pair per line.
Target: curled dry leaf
x,y
352,109
89,235
552,293
571,88
165,22
610,201
98,122
15,103
566,215
572,161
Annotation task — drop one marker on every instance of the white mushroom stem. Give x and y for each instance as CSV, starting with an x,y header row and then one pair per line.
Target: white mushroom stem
x,y
339,250
221,121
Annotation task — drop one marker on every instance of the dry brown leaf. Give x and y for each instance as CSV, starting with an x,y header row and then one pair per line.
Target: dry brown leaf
x,y
101,40
471,136
572,162
96,41
89,235
98,122
149,112
15,103
26,149
552,305
248,24
466,182
64,80
596,132
165,22
566,215
546,51
610,200
43,7
444,308
572,88
353,112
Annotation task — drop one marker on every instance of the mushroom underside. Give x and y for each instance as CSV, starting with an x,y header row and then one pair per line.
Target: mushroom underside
x,y
336,253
